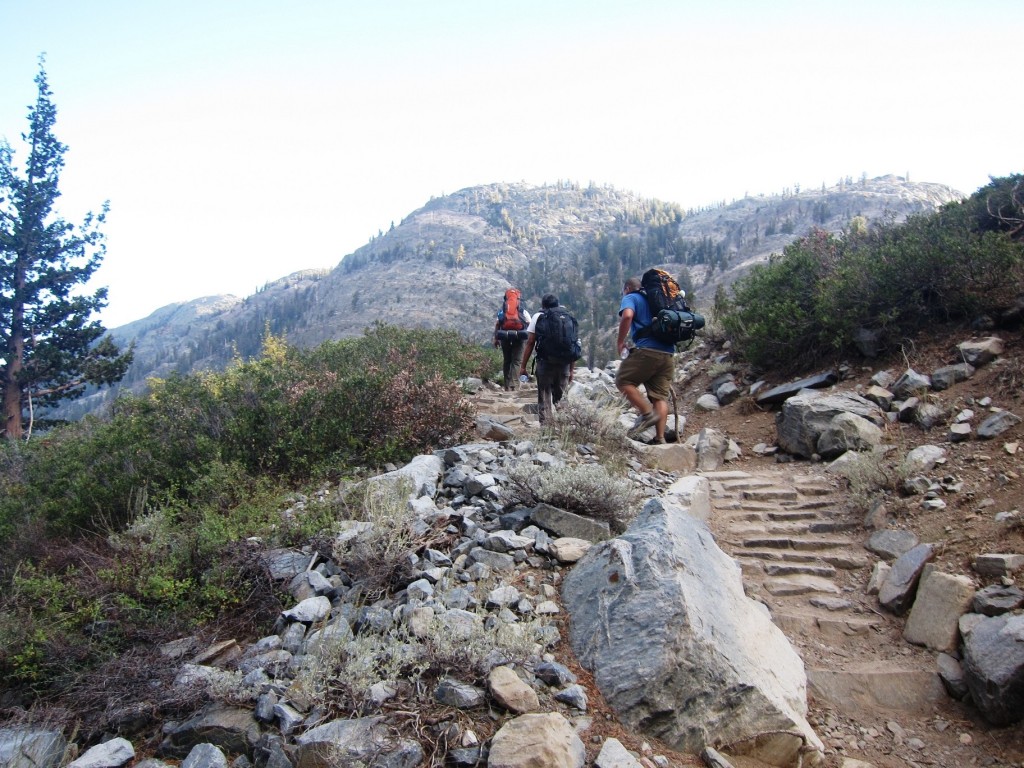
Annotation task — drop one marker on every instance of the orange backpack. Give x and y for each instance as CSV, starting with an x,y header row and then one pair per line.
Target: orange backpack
x,y
512,317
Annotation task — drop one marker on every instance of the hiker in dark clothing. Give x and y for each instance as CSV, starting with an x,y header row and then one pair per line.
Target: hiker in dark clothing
x,y
511,341
554,372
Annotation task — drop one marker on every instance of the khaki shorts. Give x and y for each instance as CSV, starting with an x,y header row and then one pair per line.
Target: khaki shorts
x,y
648,368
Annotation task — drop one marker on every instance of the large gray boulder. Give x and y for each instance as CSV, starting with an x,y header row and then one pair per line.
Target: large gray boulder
x,y
31,747
994,667
848,432
422,475
806,416
678,650
363,741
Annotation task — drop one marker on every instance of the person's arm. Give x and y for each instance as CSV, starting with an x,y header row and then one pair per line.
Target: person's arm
x,y
497,325
527,351
625,321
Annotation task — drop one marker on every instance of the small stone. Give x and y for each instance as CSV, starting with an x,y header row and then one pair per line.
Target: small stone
x,y
966,739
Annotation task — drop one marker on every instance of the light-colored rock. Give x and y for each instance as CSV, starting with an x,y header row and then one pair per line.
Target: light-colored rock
x,y
679,458
660,616
355,741
536,741
923,459
694,494
980,352
205,756
707,402
561,523
31,748
310,610
569,550
711,446
911,383
864,689
848,432
879,573
511,692
959,433
806,415
614,755
942,598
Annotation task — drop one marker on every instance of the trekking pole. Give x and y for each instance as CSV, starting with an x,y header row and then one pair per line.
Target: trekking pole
x,y
675,411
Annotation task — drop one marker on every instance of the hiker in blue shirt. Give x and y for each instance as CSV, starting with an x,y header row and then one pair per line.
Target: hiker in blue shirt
x,y
650,364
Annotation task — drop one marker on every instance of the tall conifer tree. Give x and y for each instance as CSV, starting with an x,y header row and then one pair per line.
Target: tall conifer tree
x,y
50,349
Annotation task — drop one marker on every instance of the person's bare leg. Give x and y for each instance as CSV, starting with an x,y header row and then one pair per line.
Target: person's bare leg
x,y
660,408
637,400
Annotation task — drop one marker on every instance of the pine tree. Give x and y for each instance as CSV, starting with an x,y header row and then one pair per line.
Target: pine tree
x,y
50,348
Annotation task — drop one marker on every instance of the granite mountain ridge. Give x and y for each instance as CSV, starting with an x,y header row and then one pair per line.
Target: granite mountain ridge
x,y
447,264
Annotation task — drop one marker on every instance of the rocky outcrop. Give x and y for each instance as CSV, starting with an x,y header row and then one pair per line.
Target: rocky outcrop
x,y
994,666
810,414
679,651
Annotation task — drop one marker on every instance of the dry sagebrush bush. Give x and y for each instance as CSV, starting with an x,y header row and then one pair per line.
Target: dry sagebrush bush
x,y
586,489
378,556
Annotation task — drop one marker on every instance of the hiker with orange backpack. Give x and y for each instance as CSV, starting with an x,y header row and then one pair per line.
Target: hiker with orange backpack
x,y
510,334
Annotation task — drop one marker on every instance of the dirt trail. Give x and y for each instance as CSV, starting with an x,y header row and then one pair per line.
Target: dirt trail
x,y
872,696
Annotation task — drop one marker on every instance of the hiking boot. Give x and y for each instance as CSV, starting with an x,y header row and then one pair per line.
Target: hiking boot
x,y
643,421
656,441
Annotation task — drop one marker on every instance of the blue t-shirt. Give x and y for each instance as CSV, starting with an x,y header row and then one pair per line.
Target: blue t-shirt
x,y
641,319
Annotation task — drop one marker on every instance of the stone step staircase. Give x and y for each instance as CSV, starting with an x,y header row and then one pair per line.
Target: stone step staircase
x,y
802,555
517,407
783,532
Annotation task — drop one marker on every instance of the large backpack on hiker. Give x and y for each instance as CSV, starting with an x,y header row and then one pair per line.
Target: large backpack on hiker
x,y
673,322
512,317
558,336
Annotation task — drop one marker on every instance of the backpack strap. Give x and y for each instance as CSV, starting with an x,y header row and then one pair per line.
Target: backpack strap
x,y
643,330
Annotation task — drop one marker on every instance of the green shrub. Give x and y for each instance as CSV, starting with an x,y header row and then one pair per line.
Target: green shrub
x,y
292,415
773,316
43,621
809,304
182,479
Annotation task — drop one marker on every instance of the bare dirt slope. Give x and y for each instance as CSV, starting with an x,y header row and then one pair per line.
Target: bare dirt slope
x,y
873,696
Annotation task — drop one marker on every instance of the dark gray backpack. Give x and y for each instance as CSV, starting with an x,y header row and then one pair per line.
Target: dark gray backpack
x,y
558,336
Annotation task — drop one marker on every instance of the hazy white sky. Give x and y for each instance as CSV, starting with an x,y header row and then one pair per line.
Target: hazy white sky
x,y
241,140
